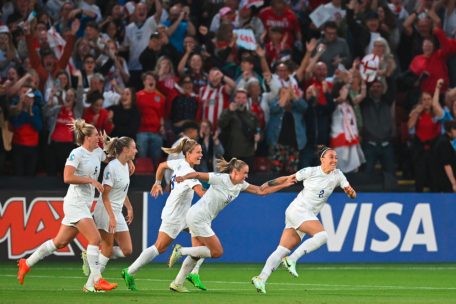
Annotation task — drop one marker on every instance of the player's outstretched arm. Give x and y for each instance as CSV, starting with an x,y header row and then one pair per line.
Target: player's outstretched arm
x,y
285,181
279,181
157,189
204,176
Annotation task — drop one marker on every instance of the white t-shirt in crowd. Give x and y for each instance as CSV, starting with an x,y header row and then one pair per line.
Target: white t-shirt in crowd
x,y
137,39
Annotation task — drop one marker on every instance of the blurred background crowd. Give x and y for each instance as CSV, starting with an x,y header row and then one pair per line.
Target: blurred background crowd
x,y
263,81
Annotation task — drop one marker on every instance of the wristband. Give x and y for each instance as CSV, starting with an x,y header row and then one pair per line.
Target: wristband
x,y
158,182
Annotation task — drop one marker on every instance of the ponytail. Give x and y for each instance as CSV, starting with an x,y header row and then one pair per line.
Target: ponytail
x,y
113,146
184,146
81,130
226,167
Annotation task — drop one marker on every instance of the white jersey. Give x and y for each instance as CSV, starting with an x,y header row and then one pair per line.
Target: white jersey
x,y
318,186
117,176
137,39
180,198
221,192
87,164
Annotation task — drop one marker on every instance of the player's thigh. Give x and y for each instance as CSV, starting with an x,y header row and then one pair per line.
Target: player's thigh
x,y
196,242
311,227
290,238
123,239
88,229
65,235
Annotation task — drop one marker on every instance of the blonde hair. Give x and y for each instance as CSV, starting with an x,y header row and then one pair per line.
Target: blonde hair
x,y
81,130
184,146
226,167
113,146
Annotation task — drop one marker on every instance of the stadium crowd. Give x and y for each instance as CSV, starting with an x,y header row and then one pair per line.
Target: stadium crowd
x,y
249,79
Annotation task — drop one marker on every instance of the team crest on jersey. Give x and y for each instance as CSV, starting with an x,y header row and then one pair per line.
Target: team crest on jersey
x,y
71,156
107,175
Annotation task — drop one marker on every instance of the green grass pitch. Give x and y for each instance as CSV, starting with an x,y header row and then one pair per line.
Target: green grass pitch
x,y
51,282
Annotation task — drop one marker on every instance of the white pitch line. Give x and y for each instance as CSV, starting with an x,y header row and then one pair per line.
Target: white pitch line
x,y
310,285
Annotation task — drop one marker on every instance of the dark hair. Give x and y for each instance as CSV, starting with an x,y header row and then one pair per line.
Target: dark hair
x,y
322,149
93,96
330,24
92,24
449,125
190,125
88,56
148,73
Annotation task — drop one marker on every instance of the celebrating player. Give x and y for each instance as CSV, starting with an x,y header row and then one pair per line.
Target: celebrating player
x,y
108,212
176,207
301,216
81,172
225,187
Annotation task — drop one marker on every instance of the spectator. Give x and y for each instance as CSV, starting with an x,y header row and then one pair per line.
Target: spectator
x,y
156,49
96,115
239,126
211,145
114,67
444,160
151,106
247,72
137,35
25,117
167,81
344,131
125,115
215,95
378,127
449,111
192,64
178,25
58,117
186,106
337,51
286,130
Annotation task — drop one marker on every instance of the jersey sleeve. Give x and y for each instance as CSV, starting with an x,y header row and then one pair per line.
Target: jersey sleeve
x,y
245,185
303,174
216,178
101,154
343,182
192,182
108,176
74,159
172,164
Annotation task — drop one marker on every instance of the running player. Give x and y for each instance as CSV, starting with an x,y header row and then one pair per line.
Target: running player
x,y
225,187
301,216
81,172
176,207
108,212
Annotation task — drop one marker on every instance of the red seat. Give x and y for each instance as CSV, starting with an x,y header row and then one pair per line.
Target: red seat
x,y
261,164
144,166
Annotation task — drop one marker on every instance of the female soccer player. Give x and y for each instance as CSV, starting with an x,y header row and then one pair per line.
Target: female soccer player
x,y
81,172
301,215
108,212
225,187
176,207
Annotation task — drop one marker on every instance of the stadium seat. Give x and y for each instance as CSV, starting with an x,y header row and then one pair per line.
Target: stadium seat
x,y
261,164
144,166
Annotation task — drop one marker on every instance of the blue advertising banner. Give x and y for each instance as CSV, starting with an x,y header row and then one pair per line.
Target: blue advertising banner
x,y
375,227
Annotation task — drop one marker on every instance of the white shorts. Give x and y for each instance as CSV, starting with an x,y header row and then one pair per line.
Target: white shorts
x,y
75,212
101,218
295,215
198,225
172,228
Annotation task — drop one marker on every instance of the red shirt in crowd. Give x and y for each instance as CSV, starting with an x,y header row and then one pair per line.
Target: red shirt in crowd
x,y
62,132
151,106
288,22
426,127
168,88
101,122
26,135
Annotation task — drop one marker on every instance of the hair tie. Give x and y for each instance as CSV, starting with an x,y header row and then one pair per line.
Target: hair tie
x,y
324,151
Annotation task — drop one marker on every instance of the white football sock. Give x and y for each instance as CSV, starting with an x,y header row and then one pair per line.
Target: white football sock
x,y
93,254
196,252
45,249
116,253
145,257
103,262
186,267
310,245
197,266
273,262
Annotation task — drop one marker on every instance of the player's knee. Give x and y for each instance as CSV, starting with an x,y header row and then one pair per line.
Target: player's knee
x,y
217,252
94,240
160,248
127,251
59,244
